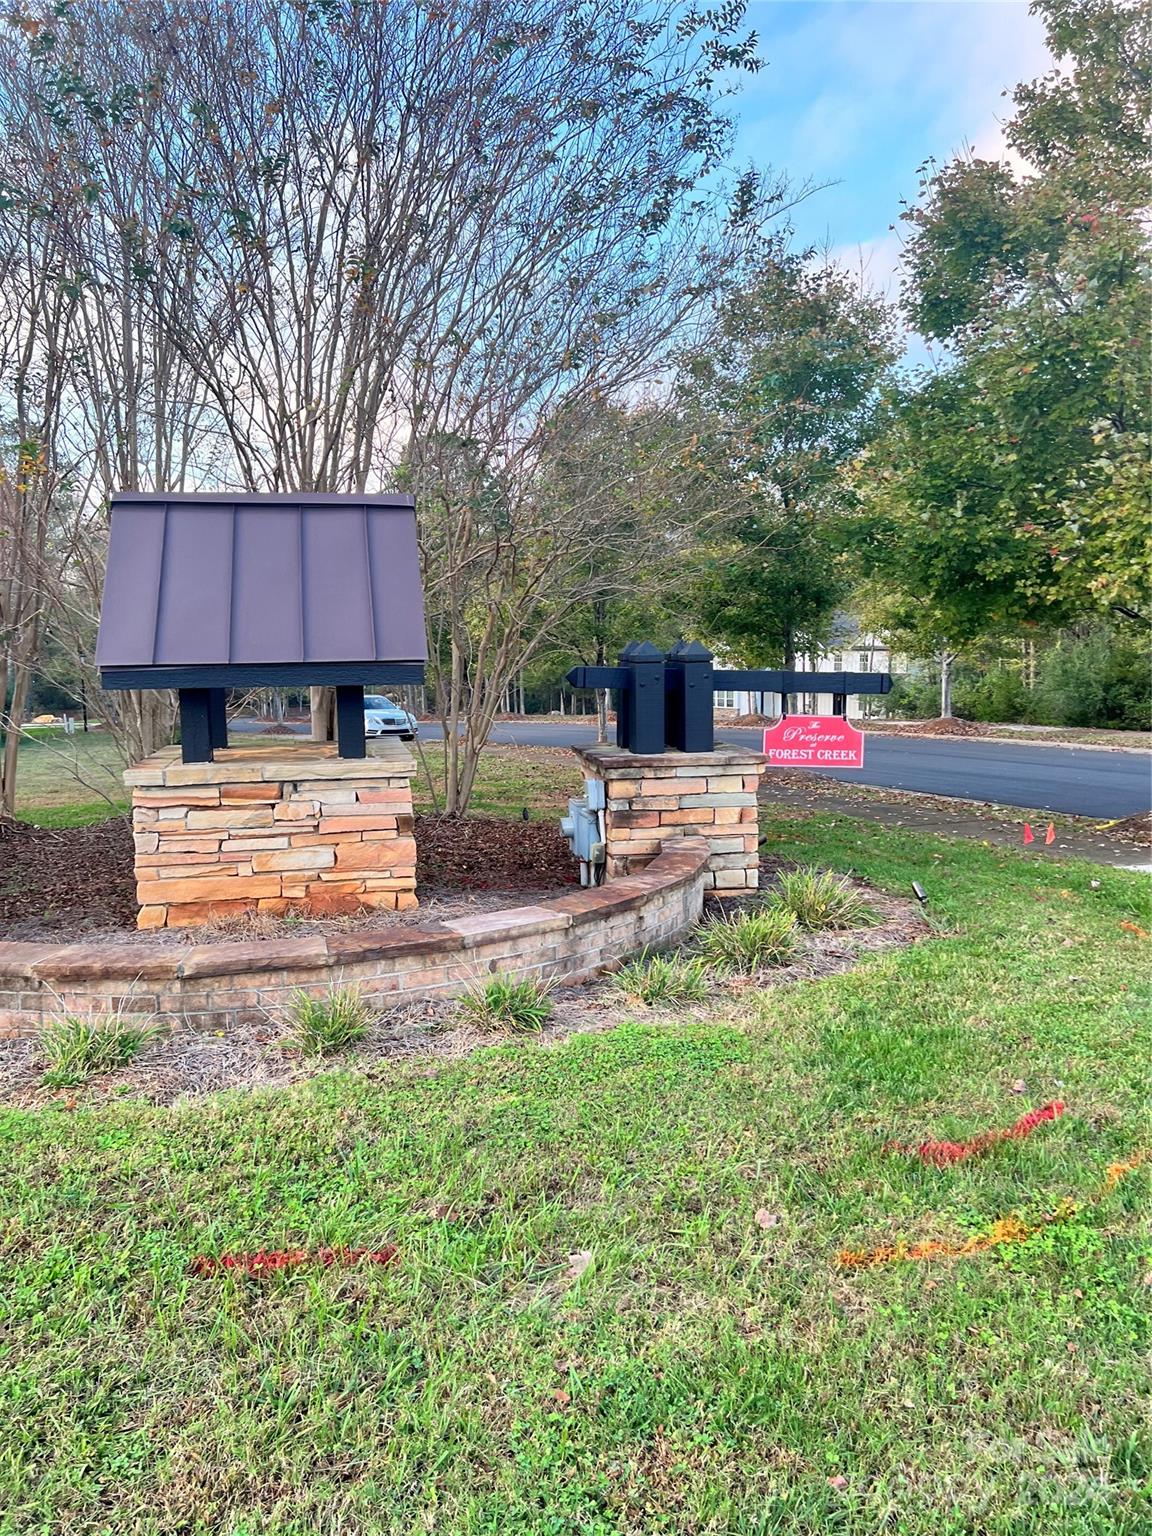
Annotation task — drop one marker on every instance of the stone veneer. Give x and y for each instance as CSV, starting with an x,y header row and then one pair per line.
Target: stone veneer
x,y
668,794
272,829
211,986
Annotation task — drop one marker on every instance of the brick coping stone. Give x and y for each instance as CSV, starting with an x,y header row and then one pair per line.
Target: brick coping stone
x,y
573,937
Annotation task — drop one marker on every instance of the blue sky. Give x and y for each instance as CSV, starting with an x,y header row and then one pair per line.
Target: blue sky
x,y
860,92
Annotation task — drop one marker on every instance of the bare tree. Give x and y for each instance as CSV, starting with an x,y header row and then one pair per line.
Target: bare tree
x,y
347,245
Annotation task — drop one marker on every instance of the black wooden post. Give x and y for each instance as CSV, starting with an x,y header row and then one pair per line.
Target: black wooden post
x,y
839,703
350,722
690,698
622,697
195,725
646,715
218,717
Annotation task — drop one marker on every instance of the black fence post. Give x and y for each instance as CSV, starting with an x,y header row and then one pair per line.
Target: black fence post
x,y
690,699
195,725
350,722
622,698
646,715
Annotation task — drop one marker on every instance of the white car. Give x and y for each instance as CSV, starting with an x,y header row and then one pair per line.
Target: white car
x,y
383,718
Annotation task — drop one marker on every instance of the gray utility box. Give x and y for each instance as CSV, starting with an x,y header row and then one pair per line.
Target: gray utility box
x,y
584,828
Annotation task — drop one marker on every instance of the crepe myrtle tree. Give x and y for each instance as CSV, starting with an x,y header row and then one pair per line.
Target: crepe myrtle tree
x,y
355,233
594,513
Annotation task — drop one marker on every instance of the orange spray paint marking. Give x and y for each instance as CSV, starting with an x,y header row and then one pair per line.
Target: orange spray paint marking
x,y
1009,1229
267,1261
941,1154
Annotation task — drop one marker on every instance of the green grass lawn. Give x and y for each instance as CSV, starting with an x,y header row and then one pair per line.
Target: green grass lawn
x,y
704,1373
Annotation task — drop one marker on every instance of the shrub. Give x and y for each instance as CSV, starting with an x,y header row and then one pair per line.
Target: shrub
x,y
77,1048
819,899
662,979
321,1026
746,941
502,1002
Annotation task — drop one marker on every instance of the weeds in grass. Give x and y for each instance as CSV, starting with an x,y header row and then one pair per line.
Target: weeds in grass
x,y
746,941
503,1003
76,1048
820,899
321,1026
651,978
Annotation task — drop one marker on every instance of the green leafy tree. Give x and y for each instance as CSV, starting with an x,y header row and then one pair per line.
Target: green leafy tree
x,y
784,393
1012,488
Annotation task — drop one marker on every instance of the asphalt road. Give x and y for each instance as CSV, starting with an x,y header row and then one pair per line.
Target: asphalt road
x,y
1075,780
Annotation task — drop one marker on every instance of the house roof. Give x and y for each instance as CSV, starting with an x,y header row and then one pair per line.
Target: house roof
x,y
239,586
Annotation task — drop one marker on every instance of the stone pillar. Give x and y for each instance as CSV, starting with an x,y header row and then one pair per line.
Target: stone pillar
x,y
272,828
662,795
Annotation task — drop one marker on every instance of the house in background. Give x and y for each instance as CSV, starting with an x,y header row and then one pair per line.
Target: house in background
x,y
849,649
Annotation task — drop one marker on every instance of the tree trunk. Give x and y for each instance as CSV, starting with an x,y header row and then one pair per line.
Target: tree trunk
x,y
22,677
946,660
322,704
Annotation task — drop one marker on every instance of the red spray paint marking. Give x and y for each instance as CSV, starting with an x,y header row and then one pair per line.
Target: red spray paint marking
x,y
266,1261
941,1154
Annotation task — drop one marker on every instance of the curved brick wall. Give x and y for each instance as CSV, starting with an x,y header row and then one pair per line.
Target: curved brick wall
x,y
570,938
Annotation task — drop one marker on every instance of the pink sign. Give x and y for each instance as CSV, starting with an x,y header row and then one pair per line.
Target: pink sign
x,y
814,741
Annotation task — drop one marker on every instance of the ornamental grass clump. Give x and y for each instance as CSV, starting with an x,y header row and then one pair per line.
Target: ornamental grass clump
x,y
503,1003
820,899
76,1048
322,1026
749,941
653,979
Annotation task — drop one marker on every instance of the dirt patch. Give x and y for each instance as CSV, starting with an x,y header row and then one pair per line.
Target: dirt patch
x,y
1134,829
78,882
187,1063
941,727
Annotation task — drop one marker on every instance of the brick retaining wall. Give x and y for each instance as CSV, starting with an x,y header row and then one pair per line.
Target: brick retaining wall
x,y
569,938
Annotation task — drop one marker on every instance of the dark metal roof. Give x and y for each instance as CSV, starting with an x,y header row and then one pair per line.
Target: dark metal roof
x,y
241,581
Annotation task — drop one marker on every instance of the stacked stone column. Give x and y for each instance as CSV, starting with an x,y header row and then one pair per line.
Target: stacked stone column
x,y
272,829
653,798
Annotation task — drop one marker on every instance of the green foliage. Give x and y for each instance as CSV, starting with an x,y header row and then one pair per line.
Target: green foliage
x,y
652,979
1100,679
784,394
747,941
1097,678
503,1003
321,1026
1013,487
819,899
77,1047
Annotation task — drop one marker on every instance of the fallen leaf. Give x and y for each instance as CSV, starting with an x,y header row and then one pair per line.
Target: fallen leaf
x,y
1141,933
766,1219
1019,1085
839,1482
578,1263
562,1397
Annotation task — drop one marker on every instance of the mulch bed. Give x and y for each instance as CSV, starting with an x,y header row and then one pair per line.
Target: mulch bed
x,y
76,881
